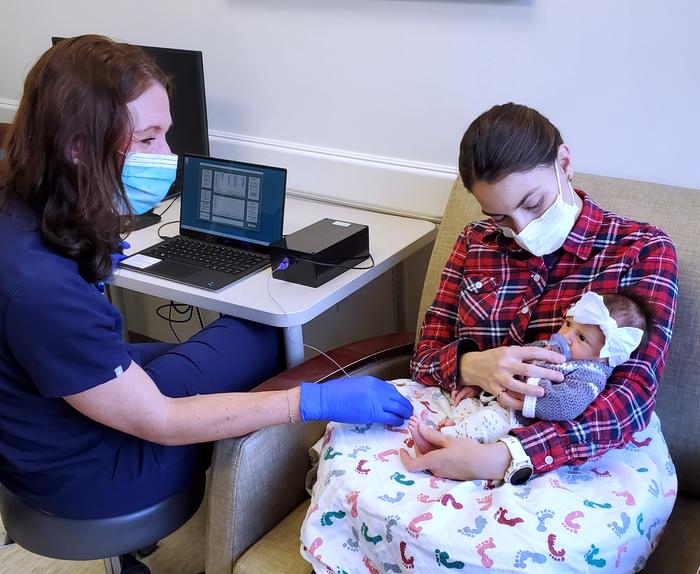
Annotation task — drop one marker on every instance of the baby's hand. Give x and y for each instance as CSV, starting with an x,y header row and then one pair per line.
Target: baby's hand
x,y
463,393
446,422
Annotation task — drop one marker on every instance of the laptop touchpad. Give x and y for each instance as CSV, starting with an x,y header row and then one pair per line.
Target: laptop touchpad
x,y
175,269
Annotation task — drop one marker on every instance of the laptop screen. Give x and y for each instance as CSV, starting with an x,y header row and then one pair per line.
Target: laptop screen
x,y
231,199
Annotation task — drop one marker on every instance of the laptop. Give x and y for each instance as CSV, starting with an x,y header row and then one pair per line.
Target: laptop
x,y
230,212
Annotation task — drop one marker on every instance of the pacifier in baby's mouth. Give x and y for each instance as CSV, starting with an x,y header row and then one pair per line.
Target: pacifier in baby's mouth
x,y
559,344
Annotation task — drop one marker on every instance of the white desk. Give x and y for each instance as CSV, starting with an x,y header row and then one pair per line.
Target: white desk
x,y
391,240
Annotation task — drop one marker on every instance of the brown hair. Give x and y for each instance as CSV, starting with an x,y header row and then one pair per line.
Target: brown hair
x,y
509,138
630,310
63,149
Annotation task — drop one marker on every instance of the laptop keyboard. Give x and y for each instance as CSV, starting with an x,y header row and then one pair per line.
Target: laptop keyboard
x,y
209,255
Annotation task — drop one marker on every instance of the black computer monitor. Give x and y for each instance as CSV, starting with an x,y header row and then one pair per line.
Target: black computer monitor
x,y
188,109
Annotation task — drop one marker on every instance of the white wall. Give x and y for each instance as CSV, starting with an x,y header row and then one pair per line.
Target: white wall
x,y
366,100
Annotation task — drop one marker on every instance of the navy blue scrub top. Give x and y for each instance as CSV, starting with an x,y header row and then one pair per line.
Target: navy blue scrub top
x,y
58,336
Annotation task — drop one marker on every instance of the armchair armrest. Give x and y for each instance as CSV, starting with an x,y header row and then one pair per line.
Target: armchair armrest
x,y
356,358
258,479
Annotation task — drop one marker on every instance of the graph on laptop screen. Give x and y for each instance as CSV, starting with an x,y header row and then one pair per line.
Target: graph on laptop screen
x,y
233,199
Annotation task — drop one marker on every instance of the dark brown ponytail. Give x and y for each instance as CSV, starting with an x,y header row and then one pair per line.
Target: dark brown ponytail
x,y
509,138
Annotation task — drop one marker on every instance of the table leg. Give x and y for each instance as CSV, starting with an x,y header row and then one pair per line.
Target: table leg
x,y
293,345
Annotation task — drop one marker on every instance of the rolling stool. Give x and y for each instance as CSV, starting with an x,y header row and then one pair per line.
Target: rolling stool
x,y
99,538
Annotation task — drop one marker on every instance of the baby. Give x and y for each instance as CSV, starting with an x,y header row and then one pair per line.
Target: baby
x,y
598,334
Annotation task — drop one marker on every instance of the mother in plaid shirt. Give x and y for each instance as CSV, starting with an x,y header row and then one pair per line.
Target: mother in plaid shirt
x,y
509,281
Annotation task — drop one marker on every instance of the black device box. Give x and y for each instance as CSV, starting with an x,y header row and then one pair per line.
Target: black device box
x,y
319,252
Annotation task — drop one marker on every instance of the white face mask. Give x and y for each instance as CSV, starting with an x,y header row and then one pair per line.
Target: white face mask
x,y
548,232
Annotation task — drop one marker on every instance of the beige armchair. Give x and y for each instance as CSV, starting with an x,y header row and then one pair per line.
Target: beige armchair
x,y
257,497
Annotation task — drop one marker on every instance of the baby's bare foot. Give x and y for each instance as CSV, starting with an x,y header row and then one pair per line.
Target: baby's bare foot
x,y
413,422
419,443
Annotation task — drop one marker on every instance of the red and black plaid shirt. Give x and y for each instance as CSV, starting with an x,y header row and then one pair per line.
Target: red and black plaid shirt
x,y
494,293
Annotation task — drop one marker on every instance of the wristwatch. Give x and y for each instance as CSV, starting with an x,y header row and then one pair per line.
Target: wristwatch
x,y
520,469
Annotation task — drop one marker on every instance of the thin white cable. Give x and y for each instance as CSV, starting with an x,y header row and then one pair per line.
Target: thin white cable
x,y
328,357
276,302
331,359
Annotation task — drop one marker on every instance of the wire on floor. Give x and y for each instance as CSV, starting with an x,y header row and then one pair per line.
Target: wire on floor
x,y
179,309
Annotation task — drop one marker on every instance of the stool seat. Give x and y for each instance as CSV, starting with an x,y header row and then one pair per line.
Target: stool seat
x,y
97,538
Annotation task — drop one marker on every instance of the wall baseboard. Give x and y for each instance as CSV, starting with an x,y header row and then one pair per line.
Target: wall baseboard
x,y
7,110
387,184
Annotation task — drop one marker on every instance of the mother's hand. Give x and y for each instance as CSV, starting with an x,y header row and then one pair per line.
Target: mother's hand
x,y
502,372
458,458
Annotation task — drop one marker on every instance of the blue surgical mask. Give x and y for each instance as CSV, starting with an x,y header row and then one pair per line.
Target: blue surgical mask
x,y
147,177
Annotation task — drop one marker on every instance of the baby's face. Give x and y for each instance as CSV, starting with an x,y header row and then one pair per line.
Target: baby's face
x,y
585,341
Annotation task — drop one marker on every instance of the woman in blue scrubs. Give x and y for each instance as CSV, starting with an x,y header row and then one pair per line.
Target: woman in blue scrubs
x,y
91,426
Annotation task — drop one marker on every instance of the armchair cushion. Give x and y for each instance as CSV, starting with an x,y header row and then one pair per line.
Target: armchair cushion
x,y
278,551
678,550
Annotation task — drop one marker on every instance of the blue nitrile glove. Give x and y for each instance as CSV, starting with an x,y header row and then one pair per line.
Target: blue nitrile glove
x,y
357,400
118,256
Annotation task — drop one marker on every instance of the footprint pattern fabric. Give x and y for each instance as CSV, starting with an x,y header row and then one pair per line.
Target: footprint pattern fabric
x,y
369,514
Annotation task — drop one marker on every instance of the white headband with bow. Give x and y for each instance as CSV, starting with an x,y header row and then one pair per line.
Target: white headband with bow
x,y
619,341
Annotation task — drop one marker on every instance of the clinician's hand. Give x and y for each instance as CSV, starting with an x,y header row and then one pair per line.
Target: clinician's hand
x,y
119,255
357,400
